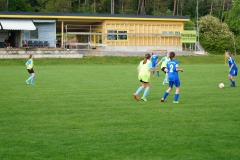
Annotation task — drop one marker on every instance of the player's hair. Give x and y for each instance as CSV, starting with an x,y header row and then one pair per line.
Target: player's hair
x,y
153,52
30,56
172,55
229,53
147,56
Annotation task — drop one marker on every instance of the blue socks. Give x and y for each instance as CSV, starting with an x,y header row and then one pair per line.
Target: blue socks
x,y
153,72
158,73
176,97
33,80
145,93
233,82
165,95
139,90
29,78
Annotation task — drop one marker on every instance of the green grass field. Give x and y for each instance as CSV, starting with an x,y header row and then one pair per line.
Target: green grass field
x,y
84,109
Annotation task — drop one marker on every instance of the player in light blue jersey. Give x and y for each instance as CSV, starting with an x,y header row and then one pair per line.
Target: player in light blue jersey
x,y
30,70
233,68
164,62
172,70
154,59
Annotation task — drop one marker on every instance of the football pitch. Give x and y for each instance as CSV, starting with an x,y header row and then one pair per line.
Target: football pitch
x,y
81,109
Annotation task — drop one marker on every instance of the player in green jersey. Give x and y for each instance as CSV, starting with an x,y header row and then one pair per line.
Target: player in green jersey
x,y
144,75
30,70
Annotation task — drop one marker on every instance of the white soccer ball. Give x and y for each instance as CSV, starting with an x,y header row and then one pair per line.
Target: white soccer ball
x,y
221,85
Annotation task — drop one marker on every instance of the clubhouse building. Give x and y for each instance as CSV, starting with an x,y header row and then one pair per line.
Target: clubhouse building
x,y
111,32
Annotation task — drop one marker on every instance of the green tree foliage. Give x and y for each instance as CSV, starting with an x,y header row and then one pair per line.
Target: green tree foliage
x,y
233,17
215,35
20,6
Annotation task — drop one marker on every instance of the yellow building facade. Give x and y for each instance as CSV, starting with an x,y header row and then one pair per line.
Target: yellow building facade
x,y
114,32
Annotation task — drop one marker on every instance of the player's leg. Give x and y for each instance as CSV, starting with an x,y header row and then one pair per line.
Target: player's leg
x,y
144,98
33,78
167,91
166,77
158,74
176,96
153,69
231,75
139,90
30,78
164,81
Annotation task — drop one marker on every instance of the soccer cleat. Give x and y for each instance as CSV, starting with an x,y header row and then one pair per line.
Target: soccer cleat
x,y
232,85
162,100
175,102
32,83
27,82
167,82
144,99
135,96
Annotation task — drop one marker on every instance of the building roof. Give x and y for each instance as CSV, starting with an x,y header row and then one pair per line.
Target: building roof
x,y
72,16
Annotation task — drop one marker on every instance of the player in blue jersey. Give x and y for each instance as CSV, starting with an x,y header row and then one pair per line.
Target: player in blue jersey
x,y
172,70
233,68
154,59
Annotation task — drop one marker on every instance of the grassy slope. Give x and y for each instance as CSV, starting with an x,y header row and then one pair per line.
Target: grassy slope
x,y
88,112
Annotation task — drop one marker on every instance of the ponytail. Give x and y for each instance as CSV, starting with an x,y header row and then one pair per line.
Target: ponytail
x,y
147,56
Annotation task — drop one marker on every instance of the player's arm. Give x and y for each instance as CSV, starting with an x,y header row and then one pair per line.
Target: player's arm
x,y
27,63
179,70
138,68
159,62
150,68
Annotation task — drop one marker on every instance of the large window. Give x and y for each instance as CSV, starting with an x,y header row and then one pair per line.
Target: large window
x,y
117,35
34,34
112,35
122,35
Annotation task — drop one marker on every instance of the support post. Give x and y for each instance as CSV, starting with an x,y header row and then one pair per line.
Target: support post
x,y
62,32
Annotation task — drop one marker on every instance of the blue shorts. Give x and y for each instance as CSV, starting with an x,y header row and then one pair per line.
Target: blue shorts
x,y
176,83
154,64
233,72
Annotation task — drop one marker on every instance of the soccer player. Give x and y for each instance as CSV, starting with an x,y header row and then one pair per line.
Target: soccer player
x,y
233,68
30,70
154,59
172,70
164,62
144,74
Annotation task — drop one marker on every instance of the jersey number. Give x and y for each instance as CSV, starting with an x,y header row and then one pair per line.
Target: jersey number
x,y
171,68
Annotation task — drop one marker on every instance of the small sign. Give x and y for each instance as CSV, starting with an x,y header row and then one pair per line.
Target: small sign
x,y
189,36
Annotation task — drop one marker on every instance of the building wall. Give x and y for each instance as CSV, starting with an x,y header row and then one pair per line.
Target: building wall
x,y
46,32
161,34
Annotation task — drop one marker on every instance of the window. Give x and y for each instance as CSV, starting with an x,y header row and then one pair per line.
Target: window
x,y
34,34
170,32
177,33
112,36
122,35
117,35
164,32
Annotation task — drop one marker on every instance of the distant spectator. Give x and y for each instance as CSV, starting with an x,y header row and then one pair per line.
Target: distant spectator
x,y
7,42
25,44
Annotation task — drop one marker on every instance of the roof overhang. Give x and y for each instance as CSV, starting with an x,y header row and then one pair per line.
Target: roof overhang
x,y
13,24
44,21
76,16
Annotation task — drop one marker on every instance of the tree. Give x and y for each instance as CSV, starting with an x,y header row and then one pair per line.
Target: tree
x,y
215,35
20,6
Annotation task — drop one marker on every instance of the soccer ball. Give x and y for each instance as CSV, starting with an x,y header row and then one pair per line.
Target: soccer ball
x,y
221,85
